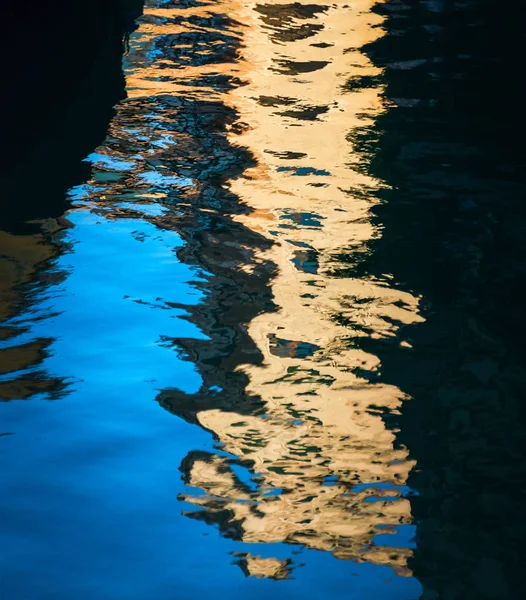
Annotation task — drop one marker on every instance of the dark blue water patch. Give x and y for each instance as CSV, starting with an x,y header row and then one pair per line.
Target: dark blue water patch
x,y
306,261
291,349
372,499
300,244
404,490
300,219
304,171
331,480
273,492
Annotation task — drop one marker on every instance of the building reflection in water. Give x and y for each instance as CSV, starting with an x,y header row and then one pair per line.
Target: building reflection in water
x,y
236,135
305,456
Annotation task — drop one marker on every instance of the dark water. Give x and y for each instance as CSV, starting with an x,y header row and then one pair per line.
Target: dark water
x,y
269,347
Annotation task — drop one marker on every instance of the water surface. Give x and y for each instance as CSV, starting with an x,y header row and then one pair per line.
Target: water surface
x,y
194,400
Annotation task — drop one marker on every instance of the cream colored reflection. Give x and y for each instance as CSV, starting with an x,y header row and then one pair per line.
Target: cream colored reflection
x,y
264,568
322,434
150,72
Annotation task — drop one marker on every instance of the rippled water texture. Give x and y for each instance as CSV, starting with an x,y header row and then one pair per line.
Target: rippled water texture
x,y
192,412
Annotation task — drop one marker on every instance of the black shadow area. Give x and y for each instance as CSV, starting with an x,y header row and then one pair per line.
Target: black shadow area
x,y
61,76
451,149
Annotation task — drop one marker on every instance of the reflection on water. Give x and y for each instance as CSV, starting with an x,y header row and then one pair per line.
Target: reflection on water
x,y
209,264
309,448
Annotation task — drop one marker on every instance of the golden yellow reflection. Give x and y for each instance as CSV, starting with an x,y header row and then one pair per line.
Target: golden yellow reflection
x,y
320,446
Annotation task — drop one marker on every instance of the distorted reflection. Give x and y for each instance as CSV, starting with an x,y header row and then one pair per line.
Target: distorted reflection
x,y
223,218
287,394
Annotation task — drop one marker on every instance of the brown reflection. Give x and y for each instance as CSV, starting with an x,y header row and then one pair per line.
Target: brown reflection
x,y
269,568
20,258
271,207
